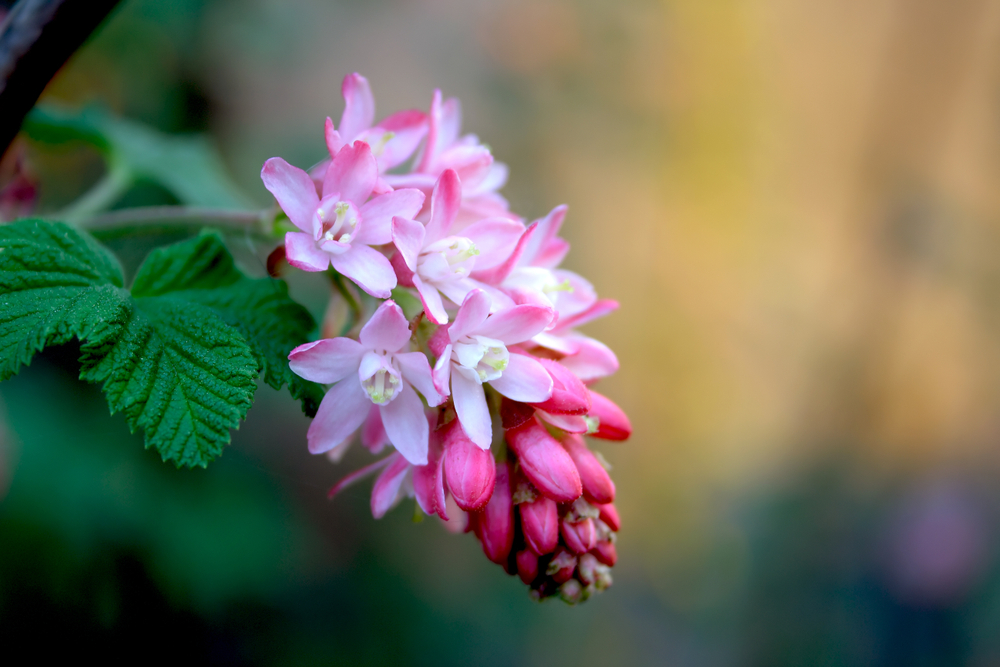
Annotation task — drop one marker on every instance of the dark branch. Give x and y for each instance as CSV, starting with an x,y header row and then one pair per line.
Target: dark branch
x,y
36,38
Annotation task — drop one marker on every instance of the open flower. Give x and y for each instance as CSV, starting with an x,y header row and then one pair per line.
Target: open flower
x,y
438,262
341,227
476,354
377,370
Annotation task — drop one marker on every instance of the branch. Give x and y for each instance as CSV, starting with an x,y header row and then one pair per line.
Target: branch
x,y
36,38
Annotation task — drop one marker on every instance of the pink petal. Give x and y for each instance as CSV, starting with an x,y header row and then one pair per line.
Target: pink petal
x,y
340,414
388,488
597,485
579,298
471,315
302,253
334,142
442,369
387,329
517,324
556,343
497,275
524,380
609,515
470,471
495,238
377,214
431,298
471,163
360,474
470,405
326,361
417,371
405,424
552,254
409,128
548,227
368,268
352,174
373,435
568,423
569,395
599,308
359,106
408,237
613,422
593,360
404,276
445,201
428,482
294,191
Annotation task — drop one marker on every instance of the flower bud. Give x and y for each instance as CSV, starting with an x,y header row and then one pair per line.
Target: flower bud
x,y
587,569
545,462
389,488
613,422
609,515
513,414
597,485
580,537
569,395
469,470
527,566
561,567
540,525
605,552
495,522
571,592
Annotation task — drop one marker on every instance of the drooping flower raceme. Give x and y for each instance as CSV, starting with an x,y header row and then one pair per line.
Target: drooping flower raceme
x,y
482,389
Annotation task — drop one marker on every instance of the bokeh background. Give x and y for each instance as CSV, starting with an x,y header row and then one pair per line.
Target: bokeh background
x,y
798,207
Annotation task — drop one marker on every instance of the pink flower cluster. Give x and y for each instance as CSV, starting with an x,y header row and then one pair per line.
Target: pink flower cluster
x,y
484,394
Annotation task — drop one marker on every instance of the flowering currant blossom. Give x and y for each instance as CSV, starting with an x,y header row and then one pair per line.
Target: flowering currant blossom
x,y
341,227
500,443
438,263
476,354
374,370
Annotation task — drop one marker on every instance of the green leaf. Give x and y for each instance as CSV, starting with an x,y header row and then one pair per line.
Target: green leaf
x,y
188,166
178,355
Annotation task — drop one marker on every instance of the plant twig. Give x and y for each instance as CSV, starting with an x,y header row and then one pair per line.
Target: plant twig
x,y
260,222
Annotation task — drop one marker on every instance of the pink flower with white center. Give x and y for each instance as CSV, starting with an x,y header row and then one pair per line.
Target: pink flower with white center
x,y
476,354
392,139
438,262
341,227
377,370
481,176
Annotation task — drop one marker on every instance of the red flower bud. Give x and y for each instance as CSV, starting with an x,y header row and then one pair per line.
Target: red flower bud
x,y
540,524
580,537
527,566
587,570
469,470
614,423
513,414
597,485
495,522
609,515
605,552
569,395
545,462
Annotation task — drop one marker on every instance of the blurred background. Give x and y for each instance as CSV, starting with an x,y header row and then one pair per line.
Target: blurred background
x,y
798,207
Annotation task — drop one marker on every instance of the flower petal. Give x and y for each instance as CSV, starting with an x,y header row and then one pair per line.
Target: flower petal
x,y
473,413
377,214
386,330
334,142
471,315
442,370
352,174
373,435
326,361
548,227
517,324
359,106
495,238
340,414
388,488
593,360
428,481
445,202
405,424
524,380
417,371
599,308
431,298
368,268
302,253
409,128
497,275
294,191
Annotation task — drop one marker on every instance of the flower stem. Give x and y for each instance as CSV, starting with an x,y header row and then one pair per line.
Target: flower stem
x,y
260,222
105,192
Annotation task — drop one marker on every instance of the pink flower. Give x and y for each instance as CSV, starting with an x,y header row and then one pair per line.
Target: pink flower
x,y
438,262
392,140
341,227
480,175
376,371
476,354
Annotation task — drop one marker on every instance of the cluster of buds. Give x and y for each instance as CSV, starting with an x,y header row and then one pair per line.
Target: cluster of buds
x,y
470,367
